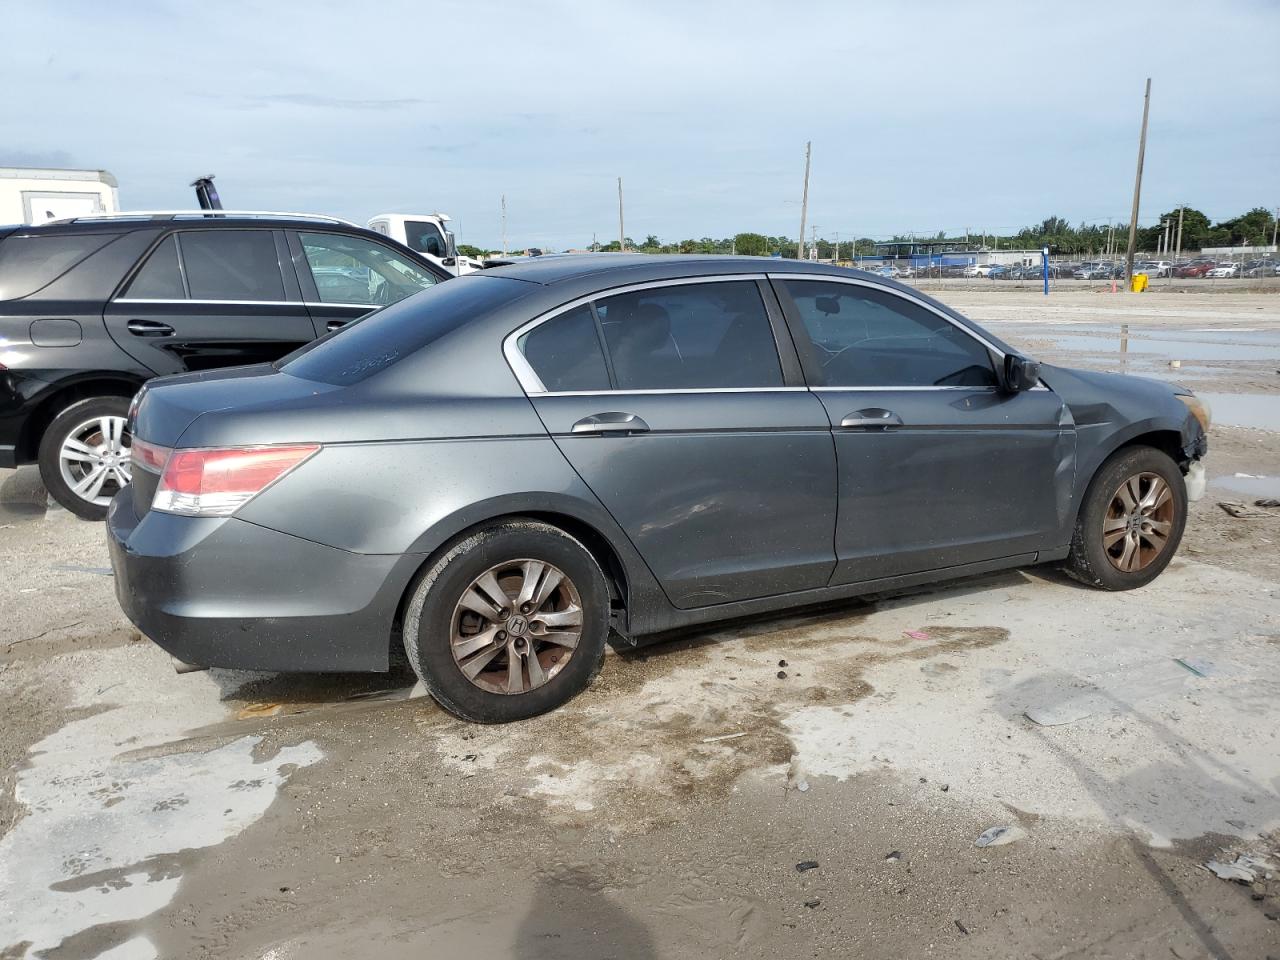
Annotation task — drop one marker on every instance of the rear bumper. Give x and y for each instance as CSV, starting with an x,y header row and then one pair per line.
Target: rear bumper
x,y
222,592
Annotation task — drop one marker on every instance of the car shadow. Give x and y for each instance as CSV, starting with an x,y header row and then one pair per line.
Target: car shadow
x,y
22,496
302,689
1201,777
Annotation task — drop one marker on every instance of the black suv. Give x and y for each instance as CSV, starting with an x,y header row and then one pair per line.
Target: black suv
x,y
91,308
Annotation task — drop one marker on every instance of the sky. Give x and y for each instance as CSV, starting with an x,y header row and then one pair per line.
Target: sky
x,y
923,116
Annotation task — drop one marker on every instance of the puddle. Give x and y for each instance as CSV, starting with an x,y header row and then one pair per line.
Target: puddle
x,y
1258,410
1185,345
107,832
1247,485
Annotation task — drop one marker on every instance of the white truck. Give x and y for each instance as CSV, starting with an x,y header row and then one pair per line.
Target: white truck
x,y
429,235
39,194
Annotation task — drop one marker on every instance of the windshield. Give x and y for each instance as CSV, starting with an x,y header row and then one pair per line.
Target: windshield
x,y
424,237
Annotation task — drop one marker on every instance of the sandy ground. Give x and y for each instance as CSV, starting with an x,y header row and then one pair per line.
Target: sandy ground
x,y
1126,740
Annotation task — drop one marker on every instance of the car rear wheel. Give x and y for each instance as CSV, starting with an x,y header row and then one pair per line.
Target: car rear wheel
x,y
84,455
1131,521
509,623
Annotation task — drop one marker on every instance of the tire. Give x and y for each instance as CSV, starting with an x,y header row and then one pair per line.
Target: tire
x,y
1106,559
107,453
437,623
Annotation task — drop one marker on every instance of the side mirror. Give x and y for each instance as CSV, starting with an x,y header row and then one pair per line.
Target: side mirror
x,y
1020,373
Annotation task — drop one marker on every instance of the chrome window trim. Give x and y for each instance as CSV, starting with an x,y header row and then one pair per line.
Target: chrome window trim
x,y
259,303
532,384
663,392
863,389
858,282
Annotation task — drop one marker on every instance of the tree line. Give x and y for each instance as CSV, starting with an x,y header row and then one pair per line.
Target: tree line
x,y
1253,228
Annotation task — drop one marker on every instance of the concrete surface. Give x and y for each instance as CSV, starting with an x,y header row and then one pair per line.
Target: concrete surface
x,y
663,814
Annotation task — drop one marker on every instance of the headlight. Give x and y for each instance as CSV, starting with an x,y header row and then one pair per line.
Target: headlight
x,y
1199,409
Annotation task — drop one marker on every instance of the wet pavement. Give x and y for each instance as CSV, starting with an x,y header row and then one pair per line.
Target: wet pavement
x,y
1128,738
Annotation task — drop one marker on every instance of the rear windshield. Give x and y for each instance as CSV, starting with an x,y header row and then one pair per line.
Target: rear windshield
x,y
381,339
28,263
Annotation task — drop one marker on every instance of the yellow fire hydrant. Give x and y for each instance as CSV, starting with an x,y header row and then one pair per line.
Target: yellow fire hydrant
x,y
1138,283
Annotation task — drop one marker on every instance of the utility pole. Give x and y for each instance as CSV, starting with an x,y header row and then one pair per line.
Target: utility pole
x,y
813,241
1178,256
622,233
1275,223
1137,185
1167,224
804,201
504,224
835,258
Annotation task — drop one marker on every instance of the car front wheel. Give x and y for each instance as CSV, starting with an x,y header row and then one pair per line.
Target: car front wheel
x,y
509,623
84,455
1131,521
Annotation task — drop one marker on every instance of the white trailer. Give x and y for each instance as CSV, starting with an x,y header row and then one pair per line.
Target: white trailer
x,y
429,235
37,195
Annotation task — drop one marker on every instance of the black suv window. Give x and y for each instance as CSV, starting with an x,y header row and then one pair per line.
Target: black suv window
x,y
29,263
565,352
691,336
231,265
160,277
359,271
864,337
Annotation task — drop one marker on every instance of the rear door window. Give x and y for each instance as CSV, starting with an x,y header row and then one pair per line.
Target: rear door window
x,y
160,277
691,336
864,337
358,271
231,265
565,352
29,263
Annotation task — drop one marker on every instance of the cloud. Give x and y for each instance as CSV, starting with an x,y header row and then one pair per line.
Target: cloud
x,y
335,103
10,157
923,117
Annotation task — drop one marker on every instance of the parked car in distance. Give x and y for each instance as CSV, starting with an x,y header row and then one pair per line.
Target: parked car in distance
x,y
1153,268
93,307
1096,271
505,468
977,270
1224,271
998,271
1261,268
1194,269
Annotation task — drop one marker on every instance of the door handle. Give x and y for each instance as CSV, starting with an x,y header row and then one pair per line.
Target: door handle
x,y
336,324
612,422
149,328
873,418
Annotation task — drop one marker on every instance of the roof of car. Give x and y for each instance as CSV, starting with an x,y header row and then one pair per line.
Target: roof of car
x,y
554,269
125,221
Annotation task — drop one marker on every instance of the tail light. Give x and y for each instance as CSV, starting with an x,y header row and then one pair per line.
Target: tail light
x,y
215,483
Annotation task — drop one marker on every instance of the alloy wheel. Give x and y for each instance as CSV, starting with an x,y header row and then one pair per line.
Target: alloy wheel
x,y
94,459
516,626
1138,522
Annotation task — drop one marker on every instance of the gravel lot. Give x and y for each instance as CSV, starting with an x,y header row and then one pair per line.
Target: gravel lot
x,y
669,811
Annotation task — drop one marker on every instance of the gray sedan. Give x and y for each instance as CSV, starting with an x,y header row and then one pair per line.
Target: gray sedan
x,y
504,470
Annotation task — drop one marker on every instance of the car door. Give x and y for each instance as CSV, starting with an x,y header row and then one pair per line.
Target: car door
x,y
673,404
344,276
209,298
938,465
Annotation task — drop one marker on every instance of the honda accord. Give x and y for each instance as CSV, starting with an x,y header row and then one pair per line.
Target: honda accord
x,y
502,472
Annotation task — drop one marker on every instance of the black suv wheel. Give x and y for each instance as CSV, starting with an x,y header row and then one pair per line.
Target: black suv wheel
x,y
84,455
